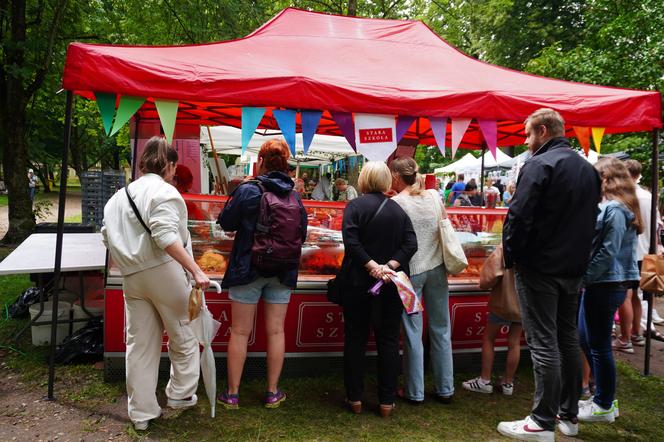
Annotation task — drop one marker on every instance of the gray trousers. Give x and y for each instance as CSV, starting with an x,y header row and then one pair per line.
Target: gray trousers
x,y
549,309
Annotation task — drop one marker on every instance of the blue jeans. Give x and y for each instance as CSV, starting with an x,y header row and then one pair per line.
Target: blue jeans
x,y
432,285
598,306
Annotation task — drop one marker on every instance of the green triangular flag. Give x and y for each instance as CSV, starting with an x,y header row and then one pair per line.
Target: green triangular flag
x,y
106,105
126,109
168,110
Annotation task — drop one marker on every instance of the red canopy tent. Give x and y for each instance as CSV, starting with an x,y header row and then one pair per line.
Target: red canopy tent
x,y
309,60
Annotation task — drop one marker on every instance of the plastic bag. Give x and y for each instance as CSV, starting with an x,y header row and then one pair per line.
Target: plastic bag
x,y
19,308
86,343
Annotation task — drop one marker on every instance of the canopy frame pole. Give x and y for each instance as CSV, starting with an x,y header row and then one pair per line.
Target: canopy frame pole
x,y
134,162
654,191
220,185
482,171
58,243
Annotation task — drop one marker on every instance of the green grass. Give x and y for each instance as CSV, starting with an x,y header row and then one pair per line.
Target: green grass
x,y
314,409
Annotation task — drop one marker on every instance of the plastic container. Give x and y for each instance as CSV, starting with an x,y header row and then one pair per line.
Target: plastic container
x,y
67,296
94,306
41,334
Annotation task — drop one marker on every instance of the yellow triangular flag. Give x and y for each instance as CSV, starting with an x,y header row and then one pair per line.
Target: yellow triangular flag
x,y
598,134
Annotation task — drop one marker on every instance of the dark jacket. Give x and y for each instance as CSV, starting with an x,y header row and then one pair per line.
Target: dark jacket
x,y
551,220
240,215
389,236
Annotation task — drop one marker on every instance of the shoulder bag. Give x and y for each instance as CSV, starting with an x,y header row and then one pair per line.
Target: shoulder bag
x,y
453,256
337,285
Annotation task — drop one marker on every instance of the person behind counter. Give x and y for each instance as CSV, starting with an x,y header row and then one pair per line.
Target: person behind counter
x,y
429,280
247,284
148,245
323,189
470,197
612,270
379,239
346,191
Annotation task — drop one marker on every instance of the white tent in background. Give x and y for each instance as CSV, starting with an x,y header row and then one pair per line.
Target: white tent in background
x,y
458,166
490,162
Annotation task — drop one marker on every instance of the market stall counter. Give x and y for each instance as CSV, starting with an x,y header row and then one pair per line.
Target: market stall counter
x,y
314,327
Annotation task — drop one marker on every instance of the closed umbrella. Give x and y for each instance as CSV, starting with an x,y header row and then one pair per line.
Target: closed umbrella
x,y
205,328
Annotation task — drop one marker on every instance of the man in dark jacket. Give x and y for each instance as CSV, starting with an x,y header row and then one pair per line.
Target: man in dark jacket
x,y
547,238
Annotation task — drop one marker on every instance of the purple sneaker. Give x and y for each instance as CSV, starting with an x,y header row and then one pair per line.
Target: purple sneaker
x,y
273,400
229,401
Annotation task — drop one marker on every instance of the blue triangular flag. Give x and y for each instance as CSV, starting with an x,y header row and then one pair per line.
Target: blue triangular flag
x,y
310,120
251,118
286,121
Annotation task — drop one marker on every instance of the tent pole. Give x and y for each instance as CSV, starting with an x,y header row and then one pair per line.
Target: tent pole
x,y
58,243
482,172
134,164
654,190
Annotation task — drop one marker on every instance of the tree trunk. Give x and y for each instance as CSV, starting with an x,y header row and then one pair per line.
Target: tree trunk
x,y
352,8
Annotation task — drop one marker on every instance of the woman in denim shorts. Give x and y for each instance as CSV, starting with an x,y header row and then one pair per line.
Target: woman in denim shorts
x,y
247,285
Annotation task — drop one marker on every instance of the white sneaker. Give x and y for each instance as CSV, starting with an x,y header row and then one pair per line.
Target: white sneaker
x,y
615,407
141,425
595,413
526,429
182,403
616,410
568,427
478,385
507,389
656,319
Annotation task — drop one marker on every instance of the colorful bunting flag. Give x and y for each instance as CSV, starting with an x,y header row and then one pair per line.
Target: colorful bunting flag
x,y
286,121
168,111
375,135
459,127
403,123
439,129
489,130
251,118
583,135
598,134
345,122
106,105
126,109
310,120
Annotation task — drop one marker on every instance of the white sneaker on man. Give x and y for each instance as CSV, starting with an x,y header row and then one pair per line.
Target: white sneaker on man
x,y
569,427
141,425
594,413
478,385
526,429
182,403
615,407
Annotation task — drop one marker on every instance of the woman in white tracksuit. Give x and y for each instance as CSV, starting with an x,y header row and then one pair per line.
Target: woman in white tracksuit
x,y
151,246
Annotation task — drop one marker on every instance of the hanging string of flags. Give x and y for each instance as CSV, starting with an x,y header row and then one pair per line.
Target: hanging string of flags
x,y
374,136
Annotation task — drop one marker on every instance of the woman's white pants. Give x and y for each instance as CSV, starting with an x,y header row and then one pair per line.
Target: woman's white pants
x,y
156,299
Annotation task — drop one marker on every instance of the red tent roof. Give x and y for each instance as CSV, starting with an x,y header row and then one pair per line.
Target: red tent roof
x,y
309,60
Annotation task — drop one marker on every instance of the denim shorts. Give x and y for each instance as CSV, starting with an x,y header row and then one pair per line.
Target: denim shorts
x,y
495,319
270,289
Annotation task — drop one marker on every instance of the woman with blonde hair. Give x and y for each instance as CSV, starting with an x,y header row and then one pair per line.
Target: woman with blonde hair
x,y
429,278
145,230
379,239
612,270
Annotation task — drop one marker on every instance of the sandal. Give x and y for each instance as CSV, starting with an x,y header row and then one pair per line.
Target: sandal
x,y
355,406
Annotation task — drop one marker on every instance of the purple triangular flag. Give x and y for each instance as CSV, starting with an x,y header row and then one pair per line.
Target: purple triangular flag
x,y
345,122
490,132
310,120
403,123
439,129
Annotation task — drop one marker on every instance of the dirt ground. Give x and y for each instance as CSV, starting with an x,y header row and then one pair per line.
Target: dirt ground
x,y
72,208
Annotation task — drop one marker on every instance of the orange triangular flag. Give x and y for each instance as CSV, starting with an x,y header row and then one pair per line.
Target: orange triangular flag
x,y
598,134
583,135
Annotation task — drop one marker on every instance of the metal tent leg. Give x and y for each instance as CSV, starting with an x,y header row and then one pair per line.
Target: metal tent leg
x,y
654,190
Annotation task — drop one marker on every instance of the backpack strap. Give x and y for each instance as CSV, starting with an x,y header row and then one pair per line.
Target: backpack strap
x,y
135,209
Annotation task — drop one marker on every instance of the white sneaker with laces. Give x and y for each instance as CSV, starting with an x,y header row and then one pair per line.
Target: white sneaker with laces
x,y
615,407
595,413
526,429
507,389
141,425
616,410
568,427
182,403
478,385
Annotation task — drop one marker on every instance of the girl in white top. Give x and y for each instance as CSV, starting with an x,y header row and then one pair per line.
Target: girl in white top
x,y
155,284
429,279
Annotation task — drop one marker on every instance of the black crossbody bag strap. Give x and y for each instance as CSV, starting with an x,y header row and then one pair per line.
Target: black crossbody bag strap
x,y
377,211
135,209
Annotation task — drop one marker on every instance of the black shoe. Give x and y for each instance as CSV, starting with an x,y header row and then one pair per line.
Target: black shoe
x,y
445,399
401,394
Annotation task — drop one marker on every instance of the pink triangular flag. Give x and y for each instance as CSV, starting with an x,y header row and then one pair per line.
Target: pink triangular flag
x,y
583,135
459,126
489,130
439,129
